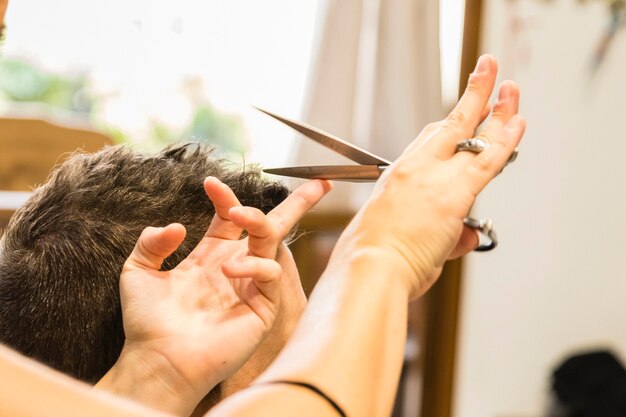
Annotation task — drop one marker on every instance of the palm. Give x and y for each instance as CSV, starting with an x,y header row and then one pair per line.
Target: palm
x,y
195,313
207,316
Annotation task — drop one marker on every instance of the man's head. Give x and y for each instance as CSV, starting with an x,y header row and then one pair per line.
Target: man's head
x,y
63,251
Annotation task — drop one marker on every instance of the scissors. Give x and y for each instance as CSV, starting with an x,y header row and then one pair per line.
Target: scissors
x,y
370,169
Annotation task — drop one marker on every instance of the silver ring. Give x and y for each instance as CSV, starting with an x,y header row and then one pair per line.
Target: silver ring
x,y
478,145
485,227
475,145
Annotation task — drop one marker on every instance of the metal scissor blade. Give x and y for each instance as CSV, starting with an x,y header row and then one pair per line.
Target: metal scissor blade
x,y
352,173
340,146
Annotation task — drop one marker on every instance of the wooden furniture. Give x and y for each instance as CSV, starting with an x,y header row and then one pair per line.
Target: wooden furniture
x,y
29,149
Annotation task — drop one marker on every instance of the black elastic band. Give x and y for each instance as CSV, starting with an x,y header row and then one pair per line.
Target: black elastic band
x,y
315,390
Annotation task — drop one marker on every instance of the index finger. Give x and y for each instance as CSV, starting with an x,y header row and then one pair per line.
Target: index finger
x,y
466,115
288,213
223,199
265,232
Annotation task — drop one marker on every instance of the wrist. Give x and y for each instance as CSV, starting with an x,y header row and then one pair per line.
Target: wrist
x,y
356,315
374,263
150,378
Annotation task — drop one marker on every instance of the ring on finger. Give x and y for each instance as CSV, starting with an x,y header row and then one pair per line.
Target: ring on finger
x,y
477,145
485,227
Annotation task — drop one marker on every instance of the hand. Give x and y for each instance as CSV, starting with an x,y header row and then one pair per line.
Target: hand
x,y
292,304
192,326
415,215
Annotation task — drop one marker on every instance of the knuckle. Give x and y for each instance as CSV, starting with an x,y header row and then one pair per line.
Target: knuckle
x,y
474,83
278,226
456,118
482,162
305,199
302,200
402,171
500,109
434,126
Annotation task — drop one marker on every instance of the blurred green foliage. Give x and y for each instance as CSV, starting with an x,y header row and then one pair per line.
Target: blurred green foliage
x,y
207,125
23,82
222,129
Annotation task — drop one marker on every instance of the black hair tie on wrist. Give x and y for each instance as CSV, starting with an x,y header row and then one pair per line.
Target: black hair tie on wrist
x,y
314,389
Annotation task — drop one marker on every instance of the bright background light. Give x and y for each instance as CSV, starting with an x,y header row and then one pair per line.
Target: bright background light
x,y
154,60
451,14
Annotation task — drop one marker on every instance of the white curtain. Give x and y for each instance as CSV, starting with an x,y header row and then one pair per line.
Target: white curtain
x,y
375,82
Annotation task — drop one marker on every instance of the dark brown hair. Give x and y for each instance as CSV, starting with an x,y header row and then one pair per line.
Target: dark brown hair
x,y
63,251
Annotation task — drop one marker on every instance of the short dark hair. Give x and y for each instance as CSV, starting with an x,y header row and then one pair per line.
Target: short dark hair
x,y
63,251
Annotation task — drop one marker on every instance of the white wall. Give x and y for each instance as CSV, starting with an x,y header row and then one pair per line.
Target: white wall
x,y
557,283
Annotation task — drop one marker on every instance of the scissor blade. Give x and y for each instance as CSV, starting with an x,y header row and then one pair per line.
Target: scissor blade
x,y
352,173
340,146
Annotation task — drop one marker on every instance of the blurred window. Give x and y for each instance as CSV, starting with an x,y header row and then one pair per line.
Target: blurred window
x,y
153,72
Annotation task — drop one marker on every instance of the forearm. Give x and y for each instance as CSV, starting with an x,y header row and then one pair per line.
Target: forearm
x,y
151,380
349,343
29,389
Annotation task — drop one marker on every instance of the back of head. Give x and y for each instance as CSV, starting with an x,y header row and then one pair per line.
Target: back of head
x,y
63,251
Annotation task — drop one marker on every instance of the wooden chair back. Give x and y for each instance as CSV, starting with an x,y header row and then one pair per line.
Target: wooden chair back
x,y
30,148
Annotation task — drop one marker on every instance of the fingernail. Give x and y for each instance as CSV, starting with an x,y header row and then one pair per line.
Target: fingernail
x,y
214,179
482,65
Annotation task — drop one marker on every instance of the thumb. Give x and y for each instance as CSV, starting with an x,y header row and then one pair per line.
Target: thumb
x,y
155,244
470,238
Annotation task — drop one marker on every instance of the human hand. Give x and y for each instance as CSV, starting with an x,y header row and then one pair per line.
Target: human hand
x,y
189,328
292,304
415,215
